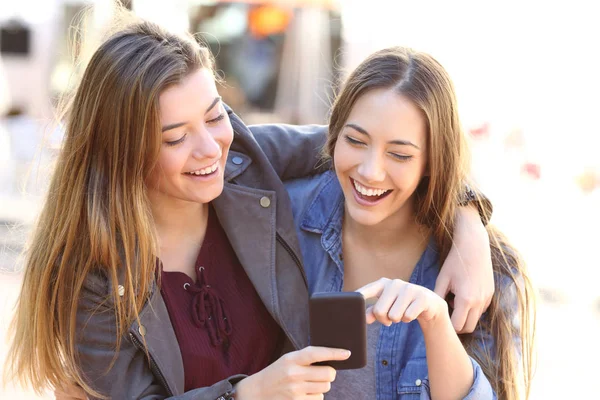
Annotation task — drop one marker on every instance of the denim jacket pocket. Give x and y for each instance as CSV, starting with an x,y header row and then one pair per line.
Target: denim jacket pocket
x,y
413,379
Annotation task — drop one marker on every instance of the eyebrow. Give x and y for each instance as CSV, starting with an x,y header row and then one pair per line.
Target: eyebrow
x,y
178,124
398,141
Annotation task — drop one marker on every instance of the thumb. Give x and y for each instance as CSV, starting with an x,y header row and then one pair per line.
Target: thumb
x,y
442,285
313,354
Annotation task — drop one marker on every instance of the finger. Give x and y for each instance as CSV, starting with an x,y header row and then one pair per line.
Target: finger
x,y
399,307
487,304
460,313
373,289
442,285
472,319
414,309
370,316
386,300
312,388
488,298
313,354
318,373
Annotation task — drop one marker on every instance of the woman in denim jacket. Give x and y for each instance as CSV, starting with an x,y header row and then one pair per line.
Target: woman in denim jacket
x,y
381,223
165,263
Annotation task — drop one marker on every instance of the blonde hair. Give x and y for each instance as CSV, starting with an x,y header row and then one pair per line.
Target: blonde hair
x,y
97,213
420,78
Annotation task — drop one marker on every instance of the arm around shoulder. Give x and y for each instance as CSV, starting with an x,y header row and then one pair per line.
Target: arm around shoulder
x,y
293,151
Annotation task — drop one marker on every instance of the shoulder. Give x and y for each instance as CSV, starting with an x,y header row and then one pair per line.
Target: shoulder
x,y
304,190
287,129
312,195
309,184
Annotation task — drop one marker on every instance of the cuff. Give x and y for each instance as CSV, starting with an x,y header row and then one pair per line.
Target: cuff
x,y
481,388
220,390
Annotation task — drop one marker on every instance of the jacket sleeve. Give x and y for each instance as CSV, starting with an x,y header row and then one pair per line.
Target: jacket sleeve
x,y
125,374
293,151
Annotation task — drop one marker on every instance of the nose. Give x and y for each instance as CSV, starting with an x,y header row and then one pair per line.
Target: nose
x,y
371,169
206,146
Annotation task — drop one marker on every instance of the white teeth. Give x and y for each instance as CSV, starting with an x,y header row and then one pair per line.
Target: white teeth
x,y
368,192
205,171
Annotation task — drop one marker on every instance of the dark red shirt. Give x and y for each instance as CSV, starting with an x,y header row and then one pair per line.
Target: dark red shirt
x,y
221,324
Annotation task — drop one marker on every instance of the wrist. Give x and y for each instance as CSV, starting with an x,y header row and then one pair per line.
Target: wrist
x,y
468,228
438,320
243,390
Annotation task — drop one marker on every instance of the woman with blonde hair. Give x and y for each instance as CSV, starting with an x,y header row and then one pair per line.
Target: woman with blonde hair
x,y
381,223
165,261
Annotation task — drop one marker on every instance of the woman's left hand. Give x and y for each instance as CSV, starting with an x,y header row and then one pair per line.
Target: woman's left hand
x,y
398,300
467,271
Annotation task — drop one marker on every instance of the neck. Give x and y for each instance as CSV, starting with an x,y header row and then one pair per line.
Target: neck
x,y
400,228
178,221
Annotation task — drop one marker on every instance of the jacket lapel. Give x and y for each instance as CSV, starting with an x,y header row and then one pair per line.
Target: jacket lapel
x,y
156,329
250,228
250,221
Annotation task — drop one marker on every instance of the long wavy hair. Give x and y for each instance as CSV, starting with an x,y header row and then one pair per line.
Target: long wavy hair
x,y
510,319
97,213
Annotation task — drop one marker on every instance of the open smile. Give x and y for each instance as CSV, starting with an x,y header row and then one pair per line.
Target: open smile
x,y
205,172
368,196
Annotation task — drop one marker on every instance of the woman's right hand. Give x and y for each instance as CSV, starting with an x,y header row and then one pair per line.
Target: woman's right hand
x,y
293,376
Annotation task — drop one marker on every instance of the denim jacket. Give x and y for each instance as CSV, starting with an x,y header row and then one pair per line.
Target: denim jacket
x,y
401,366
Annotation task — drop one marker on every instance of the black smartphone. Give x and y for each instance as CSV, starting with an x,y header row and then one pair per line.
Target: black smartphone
x,y
338,320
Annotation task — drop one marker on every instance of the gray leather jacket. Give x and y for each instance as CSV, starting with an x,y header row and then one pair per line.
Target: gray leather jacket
x,y
265,242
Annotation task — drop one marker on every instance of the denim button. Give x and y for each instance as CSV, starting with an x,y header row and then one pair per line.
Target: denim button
x,y
237,160
418,382
142,330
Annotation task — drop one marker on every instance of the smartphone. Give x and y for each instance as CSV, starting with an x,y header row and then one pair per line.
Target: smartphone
x,y
338,320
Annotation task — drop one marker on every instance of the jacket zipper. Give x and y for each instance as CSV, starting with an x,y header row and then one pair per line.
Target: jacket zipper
x,y
153,365
294,257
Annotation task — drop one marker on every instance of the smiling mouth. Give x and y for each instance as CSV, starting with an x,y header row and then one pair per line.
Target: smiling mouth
x,y
369,194
210,170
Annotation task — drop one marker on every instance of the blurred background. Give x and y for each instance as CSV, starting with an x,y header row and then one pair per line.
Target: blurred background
x,y
526,73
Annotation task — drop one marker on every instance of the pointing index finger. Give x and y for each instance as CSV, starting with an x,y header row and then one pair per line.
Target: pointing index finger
x,y
373,289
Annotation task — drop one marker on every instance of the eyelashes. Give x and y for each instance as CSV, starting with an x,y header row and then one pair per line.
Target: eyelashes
x,y
400,157
353,141
358,143
213,121
220,117
176,142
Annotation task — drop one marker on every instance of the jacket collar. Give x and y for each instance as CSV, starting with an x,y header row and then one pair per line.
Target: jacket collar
x,y
325,213
236,164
